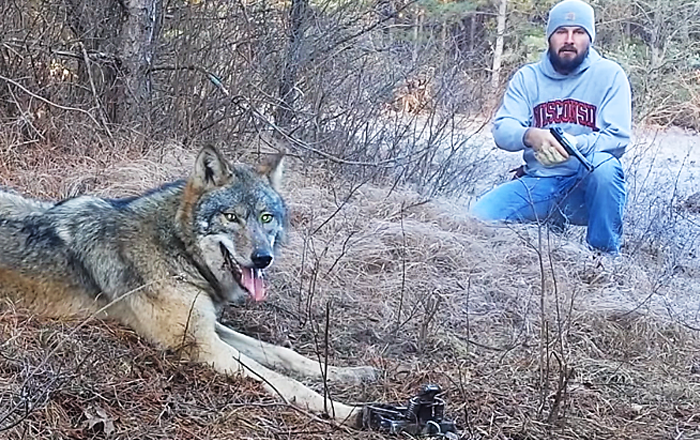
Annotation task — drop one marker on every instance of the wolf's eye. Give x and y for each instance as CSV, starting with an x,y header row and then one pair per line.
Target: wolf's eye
x,y
230,217
266,217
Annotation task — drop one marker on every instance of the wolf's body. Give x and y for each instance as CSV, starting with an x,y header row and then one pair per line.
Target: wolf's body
x,y
163,264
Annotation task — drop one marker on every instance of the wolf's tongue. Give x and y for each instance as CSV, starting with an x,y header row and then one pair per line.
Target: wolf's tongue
x,y
253,282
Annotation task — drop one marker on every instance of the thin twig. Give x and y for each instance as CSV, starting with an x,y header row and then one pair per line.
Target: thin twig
x,y
403,274
25,116
52,104
98,104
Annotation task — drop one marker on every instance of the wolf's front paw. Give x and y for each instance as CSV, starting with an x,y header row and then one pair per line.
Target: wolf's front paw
x,y
354,374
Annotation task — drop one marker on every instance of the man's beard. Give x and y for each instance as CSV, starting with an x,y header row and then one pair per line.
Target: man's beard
x,y
566,66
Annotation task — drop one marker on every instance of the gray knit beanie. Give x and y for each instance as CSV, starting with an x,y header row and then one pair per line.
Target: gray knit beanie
x,y
571,13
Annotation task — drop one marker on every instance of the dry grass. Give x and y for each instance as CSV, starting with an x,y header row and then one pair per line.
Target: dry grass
x,y
416,288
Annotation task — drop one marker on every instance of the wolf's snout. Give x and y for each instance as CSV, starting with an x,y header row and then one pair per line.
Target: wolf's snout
x,y
261,259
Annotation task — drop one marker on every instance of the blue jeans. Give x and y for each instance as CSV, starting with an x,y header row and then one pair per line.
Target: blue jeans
x,y
596,200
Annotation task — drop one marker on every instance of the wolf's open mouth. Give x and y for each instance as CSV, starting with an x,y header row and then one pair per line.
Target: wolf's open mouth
x,y
249,278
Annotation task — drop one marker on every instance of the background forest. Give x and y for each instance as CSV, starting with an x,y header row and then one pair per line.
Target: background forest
x,y
322,71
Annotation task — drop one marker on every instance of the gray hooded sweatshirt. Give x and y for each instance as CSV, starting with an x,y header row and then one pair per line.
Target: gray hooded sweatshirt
x,y
592,103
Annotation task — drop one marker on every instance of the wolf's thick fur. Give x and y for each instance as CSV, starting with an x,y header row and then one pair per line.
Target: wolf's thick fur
x,y
163,264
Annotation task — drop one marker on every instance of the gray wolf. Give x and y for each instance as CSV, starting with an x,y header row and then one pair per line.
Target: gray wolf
x,y
164,263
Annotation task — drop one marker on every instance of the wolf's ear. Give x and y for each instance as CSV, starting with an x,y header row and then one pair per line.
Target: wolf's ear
x,y
211,169
273,169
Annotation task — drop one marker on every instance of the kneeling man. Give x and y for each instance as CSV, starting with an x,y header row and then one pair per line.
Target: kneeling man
x,y
572,87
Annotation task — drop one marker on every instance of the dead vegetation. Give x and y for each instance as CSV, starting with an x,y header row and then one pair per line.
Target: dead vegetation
x,y
530,335
413,95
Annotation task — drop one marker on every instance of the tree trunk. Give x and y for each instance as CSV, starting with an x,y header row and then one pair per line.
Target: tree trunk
x,y
284,114
138,37
472,32
498,51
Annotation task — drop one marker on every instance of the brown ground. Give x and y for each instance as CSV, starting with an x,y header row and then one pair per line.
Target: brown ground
x,y
569,346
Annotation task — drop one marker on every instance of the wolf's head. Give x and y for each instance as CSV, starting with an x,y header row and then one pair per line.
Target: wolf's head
x,y
237,218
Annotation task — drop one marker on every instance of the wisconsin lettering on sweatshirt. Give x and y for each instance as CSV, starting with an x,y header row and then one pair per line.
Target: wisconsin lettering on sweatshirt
x,y
567,111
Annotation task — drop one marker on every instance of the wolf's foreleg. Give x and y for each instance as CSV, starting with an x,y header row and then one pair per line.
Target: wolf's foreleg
x,y
187,320
226,359
276,357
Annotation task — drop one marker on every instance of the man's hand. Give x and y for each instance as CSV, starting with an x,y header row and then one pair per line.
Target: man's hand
x,y
548,151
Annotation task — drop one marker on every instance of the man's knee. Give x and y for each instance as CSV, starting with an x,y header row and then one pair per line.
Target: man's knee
x,y
608,171
496,205
519,200
487,209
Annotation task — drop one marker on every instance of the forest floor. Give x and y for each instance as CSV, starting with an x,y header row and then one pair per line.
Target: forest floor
x,y
529,333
